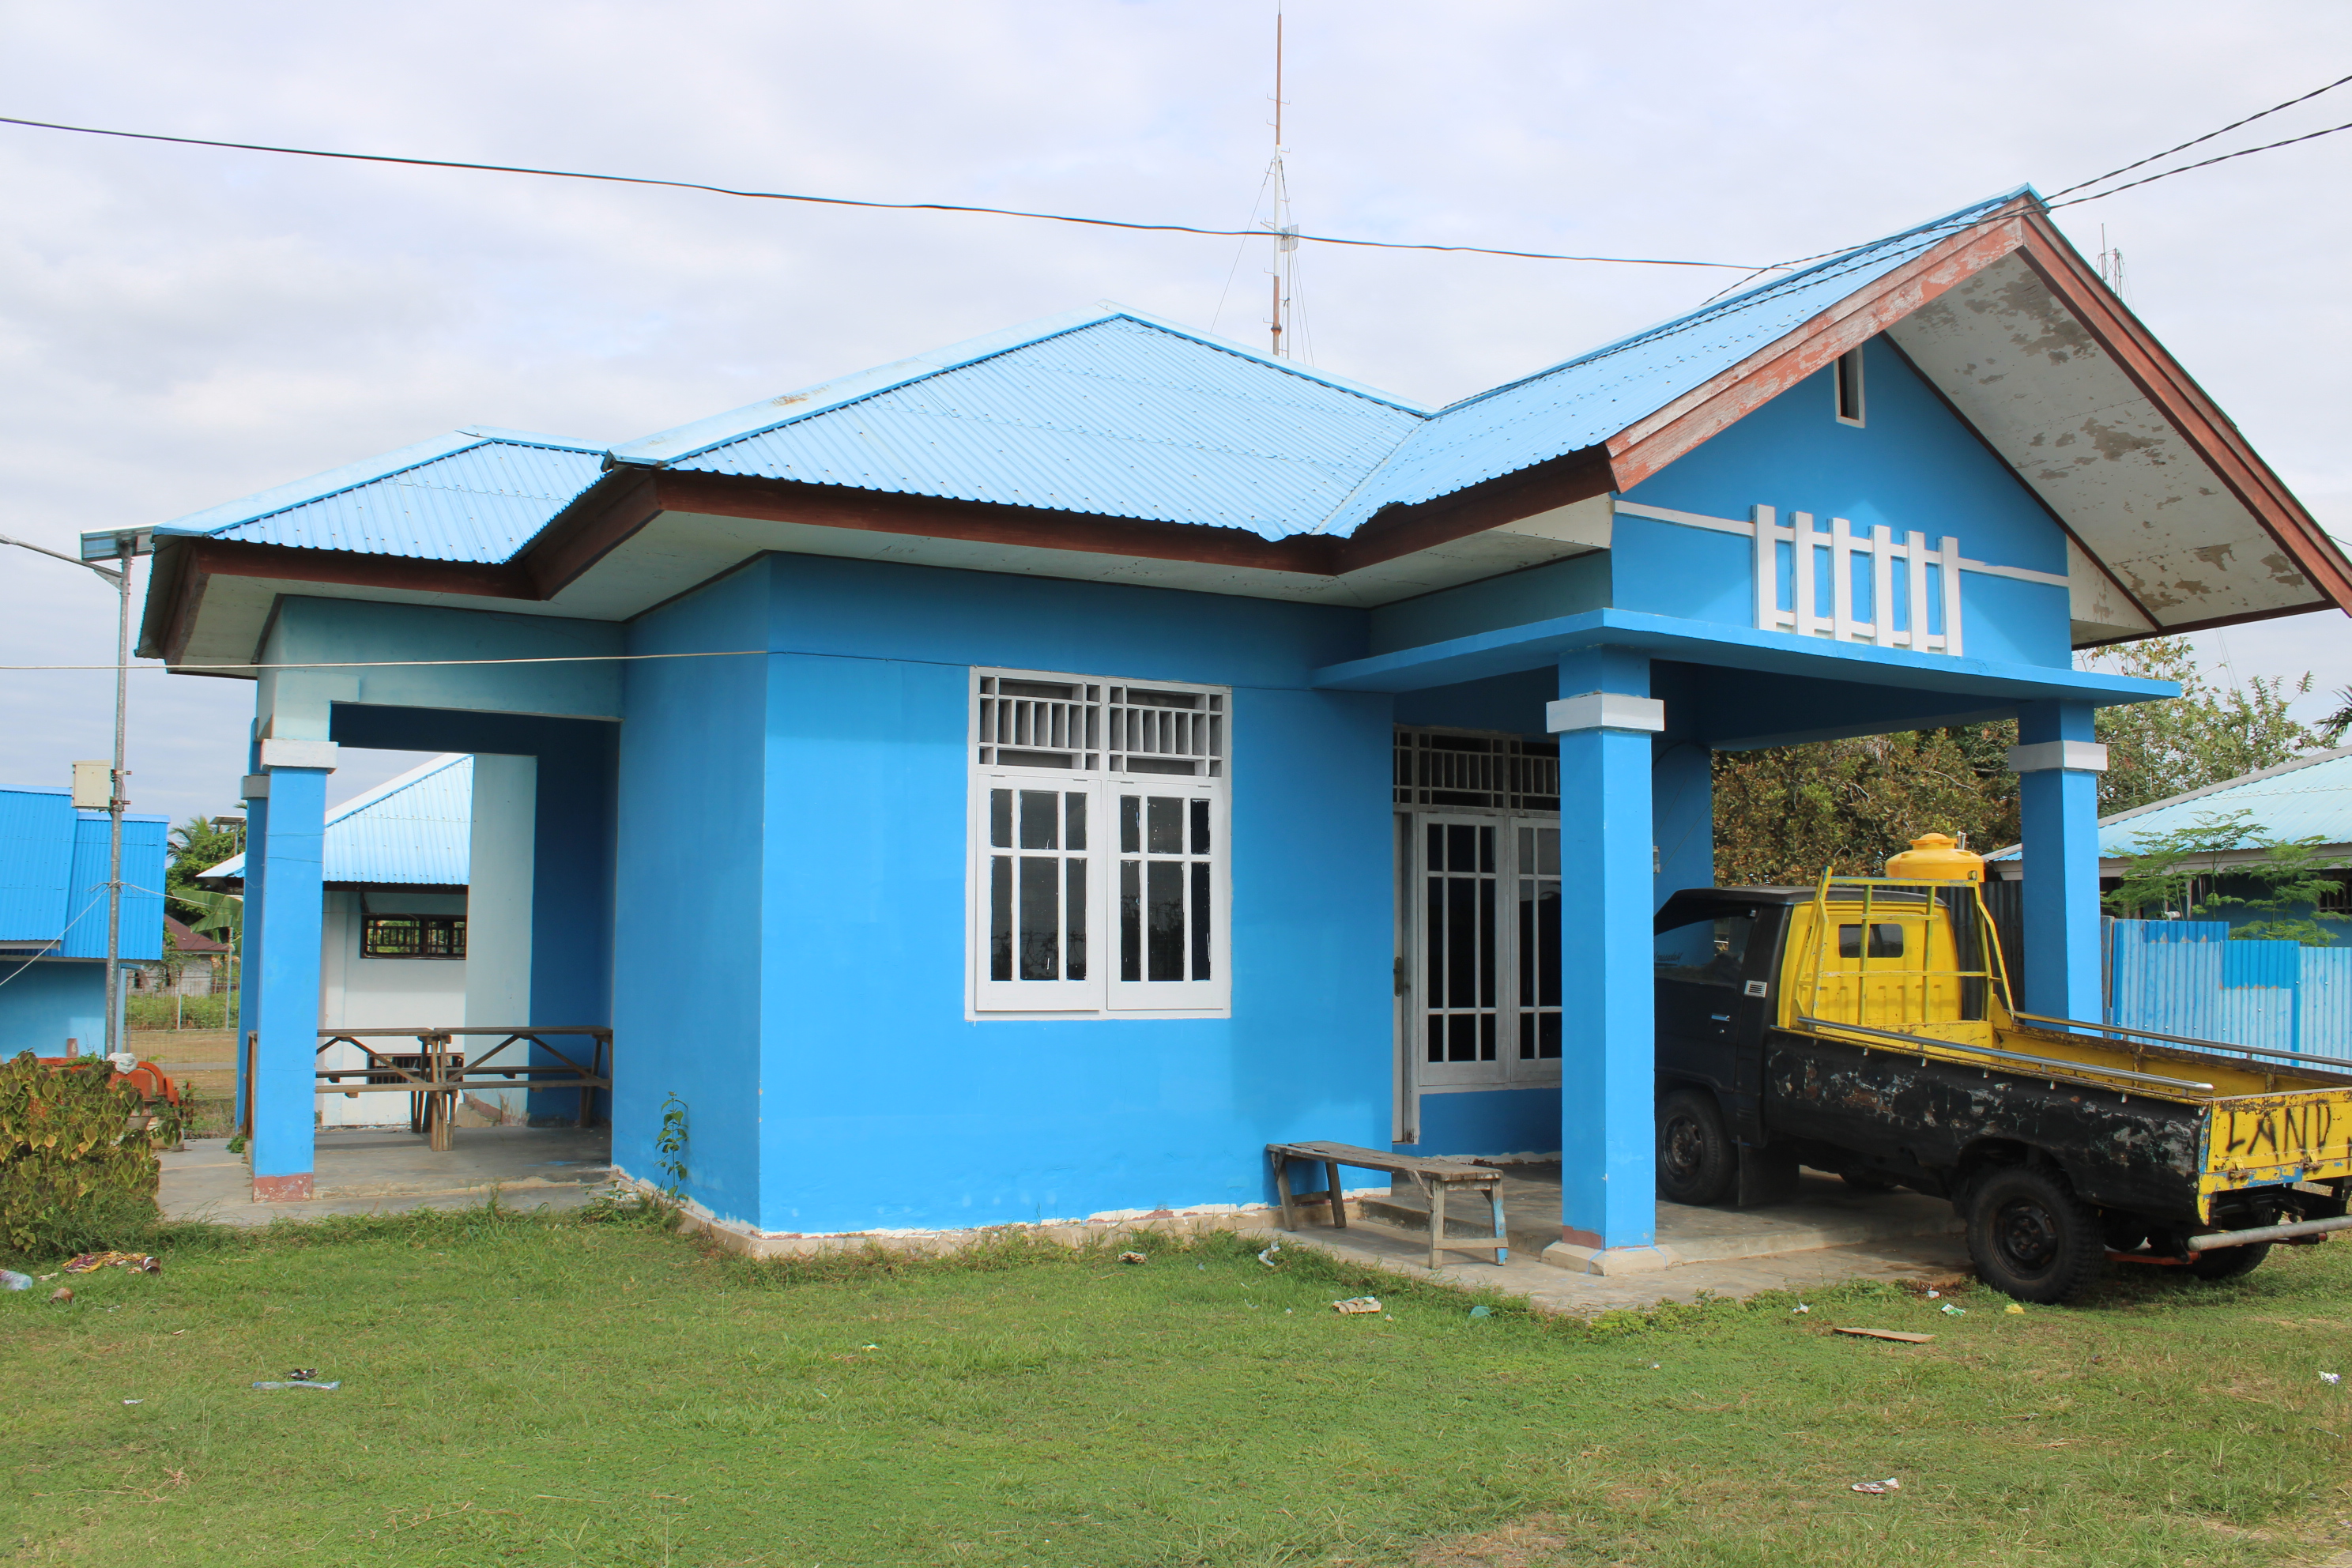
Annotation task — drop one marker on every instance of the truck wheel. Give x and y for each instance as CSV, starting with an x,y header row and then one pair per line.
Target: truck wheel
x,y
2228,1262
2032,1237
1695,1158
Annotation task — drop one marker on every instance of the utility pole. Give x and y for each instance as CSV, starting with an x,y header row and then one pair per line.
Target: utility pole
x,y
126,545
1286,230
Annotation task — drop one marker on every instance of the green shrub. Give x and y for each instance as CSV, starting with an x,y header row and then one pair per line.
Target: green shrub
x,y
78,1165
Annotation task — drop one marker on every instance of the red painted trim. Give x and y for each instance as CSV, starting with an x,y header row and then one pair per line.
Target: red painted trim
x,y
1575,1238
293,1189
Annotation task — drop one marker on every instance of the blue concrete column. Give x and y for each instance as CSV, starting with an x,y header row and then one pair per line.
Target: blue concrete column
x,y
1606,721
286,997
249,965
2058,765
1682,797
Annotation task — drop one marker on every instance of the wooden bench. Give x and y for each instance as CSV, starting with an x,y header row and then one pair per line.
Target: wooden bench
x,y
1435,1178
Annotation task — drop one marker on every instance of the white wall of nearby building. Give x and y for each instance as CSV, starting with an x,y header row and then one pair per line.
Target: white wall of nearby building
x,y
356,991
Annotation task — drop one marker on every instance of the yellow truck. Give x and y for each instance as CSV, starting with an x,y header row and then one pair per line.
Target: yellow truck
x,y
1865,1026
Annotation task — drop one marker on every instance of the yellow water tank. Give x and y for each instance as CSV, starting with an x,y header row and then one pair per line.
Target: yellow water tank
x,y
1936,857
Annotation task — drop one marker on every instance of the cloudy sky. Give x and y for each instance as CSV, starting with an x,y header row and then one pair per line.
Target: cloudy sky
x,y
180,326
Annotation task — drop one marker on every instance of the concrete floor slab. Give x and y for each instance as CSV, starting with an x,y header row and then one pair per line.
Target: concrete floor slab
x,y
1828,1234
368,1170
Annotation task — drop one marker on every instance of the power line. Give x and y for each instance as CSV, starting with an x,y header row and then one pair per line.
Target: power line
x,y
855,201
2196,141
416,663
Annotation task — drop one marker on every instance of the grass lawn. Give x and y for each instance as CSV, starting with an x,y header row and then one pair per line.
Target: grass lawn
x,y
520,1390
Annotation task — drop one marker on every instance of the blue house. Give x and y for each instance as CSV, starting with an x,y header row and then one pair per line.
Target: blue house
x,y
1020,782
53,918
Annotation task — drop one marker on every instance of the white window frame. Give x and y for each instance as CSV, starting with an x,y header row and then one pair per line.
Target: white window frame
x,y
1849,366
1080,746
1508,1069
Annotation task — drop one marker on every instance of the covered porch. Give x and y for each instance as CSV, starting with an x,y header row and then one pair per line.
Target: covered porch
x,y
1637,705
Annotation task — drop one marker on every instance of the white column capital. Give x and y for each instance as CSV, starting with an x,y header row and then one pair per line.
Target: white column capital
x,y
1605,710
277,754
2074,756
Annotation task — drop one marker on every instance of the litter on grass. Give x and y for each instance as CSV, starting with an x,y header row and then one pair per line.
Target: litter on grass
x,y
303,1383
2331,1378
13,1281
303,1374
137,1262
1898,1335
2014,1307
134,1402
1355,1304
1951,1311
1878,1489
1482,1311
1133,1257
1933,1294
1266,1257
1798,1309
62,1293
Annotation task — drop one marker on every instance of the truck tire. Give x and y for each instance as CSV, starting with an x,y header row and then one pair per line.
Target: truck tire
x,y
2030,1236
1694,1155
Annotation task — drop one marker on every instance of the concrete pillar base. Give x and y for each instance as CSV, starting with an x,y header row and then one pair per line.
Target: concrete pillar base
x,y
1580,1259
293,1189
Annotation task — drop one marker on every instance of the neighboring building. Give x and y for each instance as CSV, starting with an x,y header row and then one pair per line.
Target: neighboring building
x,y
1022,781
192,965
391,950
2309,797
53,863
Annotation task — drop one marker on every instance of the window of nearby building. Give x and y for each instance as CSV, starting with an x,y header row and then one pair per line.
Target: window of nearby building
x,y
1100,869
1849,387
413,936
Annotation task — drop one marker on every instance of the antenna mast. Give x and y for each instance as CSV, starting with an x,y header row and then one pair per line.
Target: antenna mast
x,y
1286,230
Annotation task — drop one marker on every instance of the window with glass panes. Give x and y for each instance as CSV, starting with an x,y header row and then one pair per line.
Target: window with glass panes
x,y
1098,839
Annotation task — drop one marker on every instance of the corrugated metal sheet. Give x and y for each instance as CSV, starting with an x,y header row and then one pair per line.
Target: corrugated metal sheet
x,y
1120,417
1593,396
2187,977
469,497
2294,803
36,857
142,892
416,829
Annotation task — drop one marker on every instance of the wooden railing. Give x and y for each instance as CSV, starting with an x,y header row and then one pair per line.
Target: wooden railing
x,y
437,1072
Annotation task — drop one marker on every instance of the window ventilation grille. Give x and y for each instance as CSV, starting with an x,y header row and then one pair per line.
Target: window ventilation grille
x,y
1435,767
1083,727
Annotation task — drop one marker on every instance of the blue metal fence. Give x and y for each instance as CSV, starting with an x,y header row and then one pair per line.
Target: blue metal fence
x,y
2187,977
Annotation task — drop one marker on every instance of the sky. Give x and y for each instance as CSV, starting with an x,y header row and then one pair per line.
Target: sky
x,y
181,326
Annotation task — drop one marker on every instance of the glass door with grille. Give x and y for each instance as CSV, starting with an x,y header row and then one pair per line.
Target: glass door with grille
x,y
1484,1006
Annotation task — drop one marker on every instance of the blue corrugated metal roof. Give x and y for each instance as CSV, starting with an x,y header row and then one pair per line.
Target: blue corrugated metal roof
x,y
1118,416
1593,396
53,876
1105,411
2294,800
475,495
416,829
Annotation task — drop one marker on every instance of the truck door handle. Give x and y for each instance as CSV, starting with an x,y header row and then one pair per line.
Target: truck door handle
x,y
1720,1018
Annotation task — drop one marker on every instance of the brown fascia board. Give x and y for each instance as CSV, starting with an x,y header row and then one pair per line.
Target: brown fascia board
x,y
623,503
2210,432
1649,444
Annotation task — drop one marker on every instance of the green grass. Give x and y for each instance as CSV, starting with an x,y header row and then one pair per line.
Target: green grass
x,y
520,1390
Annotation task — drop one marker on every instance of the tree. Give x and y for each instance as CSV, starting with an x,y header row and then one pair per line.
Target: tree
x,y
197,846
2204,736
1790,812
2332,727
2167,871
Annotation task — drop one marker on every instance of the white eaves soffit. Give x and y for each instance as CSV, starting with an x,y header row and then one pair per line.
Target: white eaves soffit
x,y
2059,410
677,551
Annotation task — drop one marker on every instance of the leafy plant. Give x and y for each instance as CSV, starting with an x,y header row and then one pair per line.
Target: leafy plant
x,y
77,1156
2207,734
2182,872
671,1145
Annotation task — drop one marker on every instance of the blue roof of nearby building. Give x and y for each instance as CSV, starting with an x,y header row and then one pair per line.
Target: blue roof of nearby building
x,y
1106,411
53,878
475,495
2311,796
414,830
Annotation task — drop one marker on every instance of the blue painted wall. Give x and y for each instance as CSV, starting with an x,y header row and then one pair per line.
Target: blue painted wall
x,y
1913,464
848,1090
689,939
46,1002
